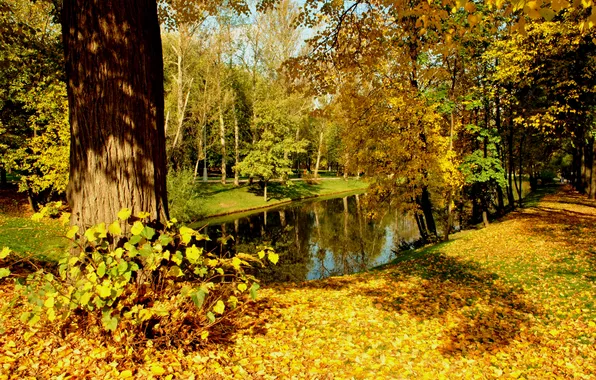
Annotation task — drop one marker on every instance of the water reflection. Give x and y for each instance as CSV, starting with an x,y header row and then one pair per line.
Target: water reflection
x,y
315,240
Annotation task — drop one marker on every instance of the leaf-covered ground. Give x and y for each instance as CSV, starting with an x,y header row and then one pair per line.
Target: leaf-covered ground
x,y
514,300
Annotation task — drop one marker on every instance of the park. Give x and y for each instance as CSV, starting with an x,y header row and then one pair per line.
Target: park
x,y
297,189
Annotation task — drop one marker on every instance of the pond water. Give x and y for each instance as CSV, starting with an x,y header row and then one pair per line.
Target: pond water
x,y
315,239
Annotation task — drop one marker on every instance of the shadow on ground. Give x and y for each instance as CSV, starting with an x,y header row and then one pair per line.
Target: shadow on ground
x,y
279,191
482,313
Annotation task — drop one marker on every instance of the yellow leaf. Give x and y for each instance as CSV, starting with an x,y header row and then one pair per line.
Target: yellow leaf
x,y
137,228
554,332
236,262
204,335
49,302
37,217
219,307
157,370
242,287
72,232
143,214
273,257
126,374
114,228
261,254
124,214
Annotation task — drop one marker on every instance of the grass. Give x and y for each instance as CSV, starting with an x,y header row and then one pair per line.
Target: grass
x,y
213,199
42,239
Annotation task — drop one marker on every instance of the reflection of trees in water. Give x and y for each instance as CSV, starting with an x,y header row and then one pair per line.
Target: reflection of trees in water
x,y
319,239
286,231
344,241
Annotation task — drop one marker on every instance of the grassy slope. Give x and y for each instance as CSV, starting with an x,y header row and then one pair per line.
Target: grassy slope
x,y
217,199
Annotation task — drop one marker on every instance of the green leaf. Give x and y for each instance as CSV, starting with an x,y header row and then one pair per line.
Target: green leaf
x,y
109,323
164,239
137,228
210,317
122,267
198,297
253,290
135,239
101,270
148,232
4,272
124,214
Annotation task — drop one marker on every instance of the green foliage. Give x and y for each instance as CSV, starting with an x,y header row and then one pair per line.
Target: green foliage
x,y
181,192
34,131
267,159
483,170
151,282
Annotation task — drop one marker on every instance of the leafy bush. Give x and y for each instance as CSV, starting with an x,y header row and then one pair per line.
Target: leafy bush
x,y
181,189
547,176
153,283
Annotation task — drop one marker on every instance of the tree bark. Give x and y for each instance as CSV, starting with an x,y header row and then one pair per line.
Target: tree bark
x,y
426,207
236,148
114,70
511,162
222,141
592,193
3,181
319,154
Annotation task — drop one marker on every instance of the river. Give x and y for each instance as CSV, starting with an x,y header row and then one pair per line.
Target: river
x,y
314,239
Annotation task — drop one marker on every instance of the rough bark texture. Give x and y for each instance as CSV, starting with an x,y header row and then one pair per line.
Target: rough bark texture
x,y
114,69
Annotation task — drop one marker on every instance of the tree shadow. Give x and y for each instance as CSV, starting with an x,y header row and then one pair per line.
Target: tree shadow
x,y
279,191
482,313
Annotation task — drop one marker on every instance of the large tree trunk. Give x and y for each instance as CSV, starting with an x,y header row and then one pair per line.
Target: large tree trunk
x,y
114,69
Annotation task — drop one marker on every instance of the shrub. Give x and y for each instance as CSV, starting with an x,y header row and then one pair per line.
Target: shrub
x,y
547,176
181,190
152,283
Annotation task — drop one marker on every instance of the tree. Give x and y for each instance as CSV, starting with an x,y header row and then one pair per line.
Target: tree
x,y
33,108
114,71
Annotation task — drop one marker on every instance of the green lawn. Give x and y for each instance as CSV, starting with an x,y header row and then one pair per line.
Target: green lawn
x,y
45,240
213,199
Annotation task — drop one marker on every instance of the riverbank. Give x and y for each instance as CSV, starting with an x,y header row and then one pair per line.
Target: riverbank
x,y
513,300
214,199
